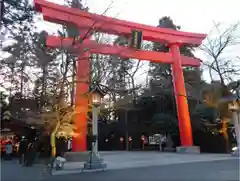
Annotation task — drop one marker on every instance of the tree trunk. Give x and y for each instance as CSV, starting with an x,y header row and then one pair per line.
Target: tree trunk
x,y
53,139
62,84
12,78
73,81
22,78
225,135
43,92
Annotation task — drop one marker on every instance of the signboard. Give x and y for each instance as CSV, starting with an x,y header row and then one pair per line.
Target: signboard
x,y
154,140
136,39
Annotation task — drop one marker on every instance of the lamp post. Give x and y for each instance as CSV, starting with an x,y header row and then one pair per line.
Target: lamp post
x,y
97,95
233,104
234,107
94,161
1,105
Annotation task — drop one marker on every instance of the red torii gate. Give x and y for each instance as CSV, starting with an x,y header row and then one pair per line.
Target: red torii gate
x,y
84,20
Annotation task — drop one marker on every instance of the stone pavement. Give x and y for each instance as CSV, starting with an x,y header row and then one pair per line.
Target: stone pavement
x,y
136,159
224,170
13,171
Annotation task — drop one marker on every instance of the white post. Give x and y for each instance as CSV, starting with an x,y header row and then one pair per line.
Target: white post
x,y
236,122
95,111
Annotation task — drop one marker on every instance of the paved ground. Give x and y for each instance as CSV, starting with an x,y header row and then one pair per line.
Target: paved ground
x,y
150,167
12,171
200,171
121,160
227,170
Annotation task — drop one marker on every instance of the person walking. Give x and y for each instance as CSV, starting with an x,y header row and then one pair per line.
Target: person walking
x,y
23,146
9,150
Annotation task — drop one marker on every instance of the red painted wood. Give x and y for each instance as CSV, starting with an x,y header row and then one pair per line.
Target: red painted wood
x,y
79,143
181,98
61,14
93,47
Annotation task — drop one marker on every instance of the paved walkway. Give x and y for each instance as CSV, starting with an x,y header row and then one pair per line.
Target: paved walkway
x,y
226,170
121,160
13,171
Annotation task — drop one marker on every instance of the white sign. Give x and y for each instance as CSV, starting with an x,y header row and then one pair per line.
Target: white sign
x,y
154,140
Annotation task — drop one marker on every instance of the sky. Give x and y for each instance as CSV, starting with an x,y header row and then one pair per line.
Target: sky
x,y
191,15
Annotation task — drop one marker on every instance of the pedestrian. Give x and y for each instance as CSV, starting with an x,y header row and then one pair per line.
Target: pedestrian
x,y
23,146
9,150
29,155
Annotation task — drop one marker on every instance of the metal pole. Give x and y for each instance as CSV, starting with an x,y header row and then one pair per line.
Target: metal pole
x,y
95,127
237,130
126,129
236,126
237,122
1,108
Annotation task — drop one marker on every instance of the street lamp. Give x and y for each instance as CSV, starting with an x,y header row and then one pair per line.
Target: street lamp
x,y
234,106
94,161
97,95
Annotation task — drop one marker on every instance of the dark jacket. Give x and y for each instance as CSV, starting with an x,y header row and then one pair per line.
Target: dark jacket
x,y
23,146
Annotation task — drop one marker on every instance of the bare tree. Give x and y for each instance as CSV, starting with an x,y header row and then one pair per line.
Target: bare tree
x,y
218,46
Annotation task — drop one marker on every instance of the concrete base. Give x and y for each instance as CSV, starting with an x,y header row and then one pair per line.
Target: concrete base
x,y
236,153
188,149
94,162
76,156
167,149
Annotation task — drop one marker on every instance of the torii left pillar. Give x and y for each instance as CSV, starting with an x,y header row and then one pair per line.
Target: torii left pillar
x,y
79,142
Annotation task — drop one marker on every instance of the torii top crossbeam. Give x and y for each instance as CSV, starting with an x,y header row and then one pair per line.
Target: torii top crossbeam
x,y
62,15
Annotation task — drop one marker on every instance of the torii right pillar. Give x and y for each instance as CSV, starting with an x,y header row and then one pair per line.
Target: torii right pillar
x,y
184,122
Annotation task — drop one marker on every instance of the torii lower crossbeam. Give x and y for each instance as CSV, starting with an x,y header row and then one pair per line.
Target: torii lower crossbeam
x,y
93,47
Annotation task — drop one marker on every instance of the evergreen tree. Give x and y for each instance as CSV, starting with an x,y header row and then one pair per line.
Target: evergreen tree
x,y
17,12
17,17
15,70
71,60
47,62
120,70
158,70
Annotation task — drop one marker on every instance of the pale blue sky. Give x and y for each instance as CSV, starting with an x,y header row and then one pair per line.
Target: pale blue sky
x,y
192,16
196,16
